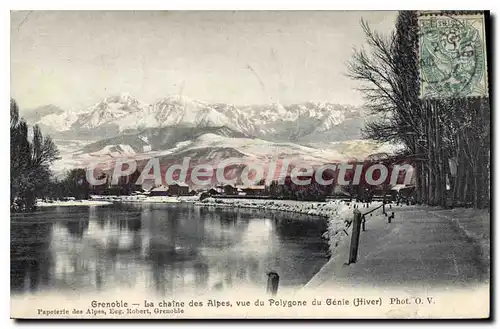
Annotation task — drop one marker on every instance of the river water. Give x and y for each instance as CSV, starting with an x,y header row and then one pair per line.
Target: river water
x,y
161,248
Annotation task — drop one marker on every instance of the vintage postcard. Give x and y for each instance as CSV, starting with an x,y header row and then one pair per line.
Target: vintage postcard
x,y
250,165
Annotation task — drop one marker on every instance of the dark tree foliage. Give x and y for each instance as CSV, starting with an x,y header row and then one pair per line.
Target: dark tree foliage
x,y
29,163
448,139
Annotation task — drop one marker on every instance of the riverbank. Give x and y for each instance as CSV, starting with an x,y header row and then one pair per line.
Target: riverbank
x,y
115,199
72,203
153,199
110,199
336,212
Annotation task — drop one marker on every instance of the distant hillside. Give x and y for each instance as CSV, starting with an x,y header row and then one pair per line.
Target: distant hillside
x,y
154,139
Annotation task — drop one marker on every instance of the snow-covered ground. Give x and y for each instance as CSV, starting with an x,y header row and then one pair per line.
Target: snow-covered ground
x,y
115,151
145,199
253,149
337,212
261,149
170,199
72,203
420,249
160,199
98,200
475,223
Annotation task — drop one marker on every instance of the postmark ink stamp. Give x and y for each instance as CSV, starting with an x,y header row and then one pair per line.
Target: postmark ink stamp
x,y
452,50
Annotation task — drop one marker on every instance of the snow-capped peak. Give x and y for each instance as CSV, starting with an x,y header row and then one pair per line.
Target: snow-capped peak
x,y
110,109
124,112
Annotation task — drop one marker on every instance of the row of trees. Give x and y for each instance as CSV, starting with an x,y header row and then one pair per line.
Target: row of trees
x,y
31,155
75,184
448,139
30,159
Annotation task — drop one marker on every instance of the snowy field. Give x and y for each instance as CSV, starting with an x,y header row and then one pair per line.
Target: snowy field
x,y
97,200
72,203
169,199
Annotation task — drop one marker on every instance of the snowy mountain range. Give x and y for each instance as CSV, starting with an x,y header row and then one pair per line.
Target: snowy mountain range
x,y
176,127
120,114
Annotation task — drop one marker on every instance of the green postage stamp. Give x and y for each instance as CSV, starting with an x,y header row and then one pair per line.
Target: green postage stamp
x,y
452,56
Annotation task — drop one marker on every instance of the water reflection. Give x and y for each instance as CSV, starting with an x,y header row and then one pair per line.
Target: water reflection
x,y
31,259
161,247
